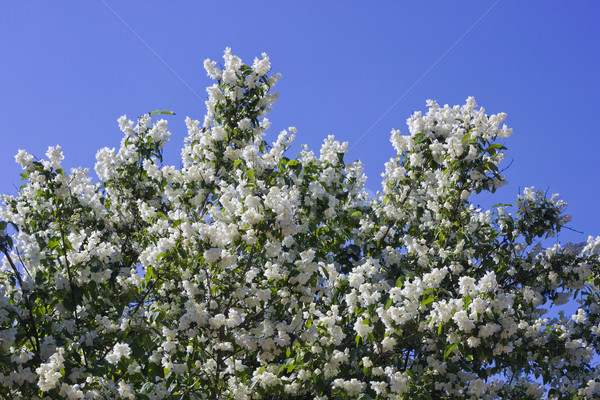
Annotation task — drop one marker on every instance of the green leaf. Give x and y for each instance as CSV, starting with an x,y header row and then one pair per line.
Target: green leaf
x,y
322,230
388,304
295,165
40,279
53,243
68,304
250,174
497,146
150,274
449,350
307,357
167,112
467,300
428,300
356,214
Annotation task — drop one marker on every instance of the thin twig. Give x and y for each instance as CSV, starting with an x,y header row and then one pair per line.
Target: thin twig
x,y
137,307
22,263
25,299
393,222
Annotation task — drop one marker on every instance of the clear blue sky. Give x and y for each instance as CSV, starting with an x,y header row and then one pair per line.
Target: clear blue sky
x,y
69,69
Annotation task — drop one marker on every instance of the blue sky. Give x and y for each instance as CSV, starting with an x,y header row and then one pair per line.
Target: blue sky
x,y
69,69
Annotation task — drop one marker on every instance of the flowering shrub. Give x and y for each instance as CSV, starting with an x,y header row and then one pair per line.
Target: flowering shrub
x,y
249,275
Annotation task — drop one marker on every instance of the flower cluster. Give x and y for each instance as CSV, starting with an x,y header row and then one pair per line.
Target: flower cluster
x,y
246,274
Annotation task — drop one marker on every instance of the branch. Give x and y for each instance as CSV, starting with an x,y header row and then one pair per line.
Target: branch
x,y
393,222
250,256
571,229
219,362
22,263
137,307
25,299
67,266
495,248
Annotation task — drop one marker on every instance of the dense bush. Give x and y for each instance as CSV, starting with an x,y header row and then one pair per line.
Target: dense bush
x,y
249,275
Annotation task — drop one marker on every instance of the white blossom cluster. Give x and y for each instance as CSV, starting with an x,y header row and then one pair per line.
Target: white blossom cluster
x,y
245,274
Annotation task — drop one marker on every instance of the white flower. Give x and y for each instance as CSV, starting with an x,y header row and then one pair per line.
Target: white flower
x,y
351,387
388,343
488,283
379,387
244,124
119,351
362,329
261,67
49,373
467,286
211,70
591,389
179,369
580,316
125,125
126,391
71,392
134,368
462,320
212,255
23,158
